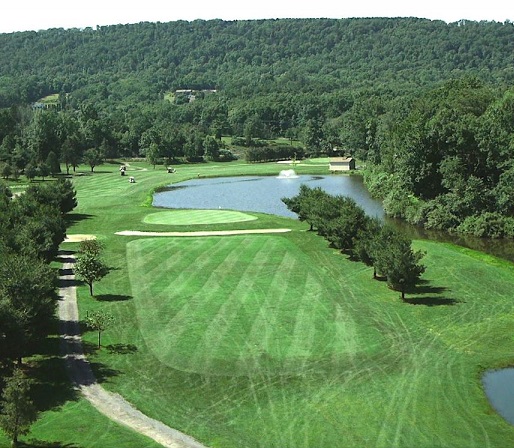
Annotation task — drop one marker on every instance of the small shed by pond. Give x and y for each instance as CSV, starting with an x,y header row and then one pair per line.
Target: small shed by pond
x,y
341,164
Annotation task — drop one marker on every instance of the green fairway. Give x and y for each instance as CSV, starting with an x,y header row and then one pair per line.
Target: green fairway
x,y
277,340
197,217
318,351
240,305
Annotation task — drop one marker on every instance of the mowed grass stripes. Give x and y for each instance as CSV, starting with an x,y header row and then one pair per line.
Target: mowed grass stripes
x,y
291,351
237,305
353,366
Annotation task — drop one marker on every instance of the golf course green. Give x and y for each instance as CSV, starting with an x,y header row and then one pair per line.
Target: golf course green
x,y
197,217
277,340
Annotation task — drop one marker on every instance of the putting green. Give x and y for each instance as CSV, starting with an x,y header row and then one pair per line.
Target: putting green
x,y
197,217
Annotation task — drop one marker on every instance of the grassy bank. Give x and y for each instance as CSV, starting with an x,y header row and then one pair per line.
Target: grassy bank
x,y
280,341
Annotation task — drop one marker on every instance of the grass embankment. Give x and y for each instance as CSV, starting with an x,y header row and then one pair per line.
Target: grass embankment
x,y
279,341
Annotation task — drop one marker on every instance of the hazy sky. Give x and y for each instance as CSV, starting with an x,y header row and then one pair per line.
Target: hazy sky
x,y
22,15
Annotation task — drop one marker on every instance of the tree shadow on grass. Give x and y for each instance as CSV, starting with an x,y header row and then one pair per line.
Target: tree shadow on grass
x,y
121,349
424,287
433,295
112,297
52,386
101,371
380,278
34,443
74,218
432,301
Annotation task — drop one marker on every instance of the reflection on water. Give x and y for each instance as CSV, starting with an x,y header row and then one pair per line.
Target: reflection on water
x,y
261,193
264,194
501,248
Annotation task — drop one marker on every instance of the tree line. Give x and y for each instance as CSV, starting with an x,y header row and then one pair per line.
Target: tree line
x,y
32,226
346,227
443,160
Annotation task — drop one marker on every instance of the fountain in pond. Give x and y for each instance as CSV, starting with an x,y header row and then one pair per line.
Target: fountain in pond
x,y
287,174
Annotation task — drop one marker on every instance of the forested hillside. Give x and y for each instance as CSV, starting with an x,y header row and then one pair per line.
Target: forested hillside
x,y
428,106
244,58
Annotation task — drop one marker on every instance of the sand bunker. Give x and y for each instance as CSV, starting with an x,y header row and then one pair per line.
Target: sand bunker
x,y
77,238
201,233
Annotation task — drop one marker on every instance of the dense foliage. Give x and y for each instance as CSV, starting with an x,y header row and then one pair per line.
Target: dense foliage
x,y
427,105
140,62
17,412
31,227
445,160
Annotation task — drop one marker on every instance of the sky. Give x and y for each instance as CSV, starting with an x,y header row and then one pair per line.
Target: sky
x,y
25,15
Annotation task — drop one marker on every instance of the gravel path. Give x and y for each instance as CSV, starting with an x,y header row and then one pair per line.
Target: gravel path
x,y
112,405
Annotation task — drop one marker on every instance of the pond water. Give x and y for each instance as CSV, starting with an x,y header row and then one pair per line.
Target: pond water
x,y
261,193
264,194
499,388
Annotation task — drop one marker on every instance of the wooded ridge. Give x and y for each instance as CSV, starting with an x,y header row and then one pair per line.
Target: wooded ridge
x,y
246,58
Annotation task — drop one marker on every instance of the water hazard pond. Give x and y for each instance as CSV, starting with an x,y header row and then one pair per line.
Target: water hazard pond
x,y
264,194
261,193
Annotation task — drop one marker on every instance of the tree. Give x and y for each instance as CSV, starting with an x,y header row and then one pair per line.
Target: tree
x,y
7,171
91,246
28,301
30,172
93,157
70,154
253,128
313,135
60,194
152,154
341,230
364,247
53,163
90,268
212,148
193,148
43,170
309,204
99,321
396,260
18,411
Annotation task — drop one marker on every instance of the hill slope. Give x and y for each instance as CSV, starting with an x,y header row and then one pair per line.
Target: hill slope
x,y
252,57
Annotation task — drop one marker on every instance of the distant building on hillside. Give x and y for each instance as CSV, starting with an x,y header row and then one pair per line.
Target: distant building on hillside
x,y
341,164
191,94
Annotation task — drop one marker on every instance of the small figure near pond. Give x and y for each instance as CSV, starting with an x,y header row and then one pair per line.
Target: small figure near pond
x,y
132,180
171,170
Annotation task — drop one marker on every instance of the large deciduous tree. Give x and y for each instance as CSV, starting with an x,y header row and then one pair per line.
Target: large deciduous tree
x,y
93,157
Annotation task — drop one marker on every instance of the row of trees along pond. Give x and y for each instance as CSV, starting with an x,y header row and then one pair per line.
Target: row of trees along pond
x,y
32,226
346,226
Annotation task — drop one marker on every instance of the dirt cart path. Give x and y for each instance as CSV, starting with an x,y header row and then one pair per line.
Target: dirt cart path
x,y
112,405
